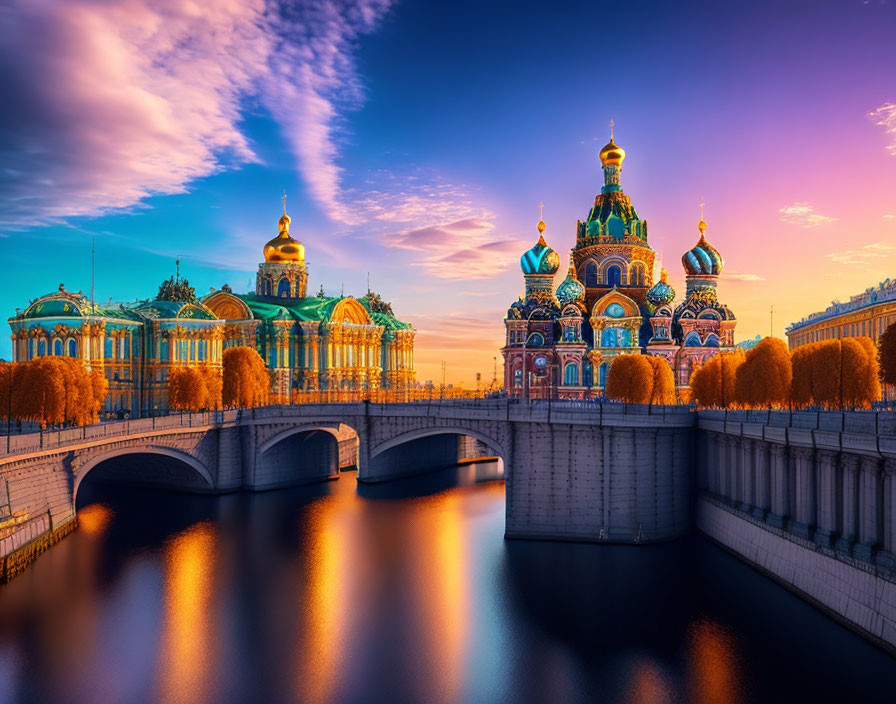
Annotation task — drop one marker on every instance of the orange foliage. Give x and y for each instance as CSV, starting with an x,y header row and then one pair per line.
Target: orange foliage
x,y
836,373
663,382
52,391
636,378
887,355
764,379
713,385
246,380
194,388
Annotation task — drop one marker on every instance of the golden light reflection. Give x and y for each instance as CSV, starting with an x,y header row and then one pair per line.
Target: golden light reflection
x,y
648,685
442,595
714,674
328,605
188,640
94,519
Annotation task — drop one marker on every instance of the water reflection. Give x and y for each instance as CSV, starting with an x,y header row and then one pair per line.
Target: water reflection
x,y
405,592
187,644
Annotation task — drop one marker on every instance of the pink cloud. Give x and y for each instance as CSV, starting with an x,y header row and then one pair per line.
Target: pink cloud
x,y
113,102
885,116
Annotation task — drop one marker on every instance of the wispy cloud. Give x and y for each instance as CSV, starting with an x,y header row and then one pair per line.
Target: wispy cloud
x,y
889,216
804,215
462,249
865,255
735,276
885,116
121,101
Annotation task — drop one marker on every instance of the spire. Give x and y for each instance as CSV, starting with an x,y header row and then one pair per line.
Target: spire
x,y
702,224
541,225
177,269
612,125
283,198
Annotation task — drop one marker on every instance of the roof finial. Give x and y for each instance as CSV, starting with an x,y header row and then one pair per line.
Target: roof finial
x,y
612,124
283,198
541,224
177,269
702,224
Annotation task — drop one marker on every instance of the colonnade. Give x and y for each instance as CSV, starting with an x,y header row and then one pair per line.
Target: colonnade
x,y
842,501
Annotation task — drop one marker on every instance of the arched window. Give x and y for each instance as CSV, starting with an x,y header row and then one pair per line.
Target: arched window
x,y
536,339
692,340
614,310
41,348
712,340
57,347
72,348
587,373
571,374
107,348
517,377
266,287
602,373
614,275
636,276
590,275
283,288
165,351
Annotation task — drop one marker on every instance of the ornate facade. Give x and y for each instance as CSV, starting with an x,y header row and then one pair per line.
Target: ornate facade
x,y
561,342
866,314
316,344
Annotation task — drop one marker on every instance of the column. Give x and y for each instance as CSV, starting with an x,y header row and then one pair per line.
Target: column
x,y
826,497
887,556
849,503
712,462
778,477
870,496
761,483
803,493
730,487
747,469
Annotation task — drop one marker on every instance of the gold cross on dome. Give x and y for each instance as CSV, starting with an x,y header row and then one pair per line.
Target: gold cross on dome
x,y
612,124
541,211
702,205
283,198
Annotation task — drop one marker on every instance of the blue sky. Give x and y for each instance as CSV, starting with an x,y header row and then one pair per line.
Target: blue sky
x,y
416,139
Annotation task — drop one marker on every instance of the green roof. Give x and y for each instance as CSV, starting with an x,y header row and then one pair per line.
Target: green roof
x,y
310,310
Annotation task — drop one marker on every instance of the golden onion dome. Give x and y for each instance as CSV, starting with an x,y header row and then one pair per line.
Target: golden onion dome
x,y
612,154
284,248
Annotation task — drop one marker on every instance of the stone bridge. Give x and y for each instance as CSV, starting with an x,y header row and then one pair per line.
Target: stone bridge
x,y
573,470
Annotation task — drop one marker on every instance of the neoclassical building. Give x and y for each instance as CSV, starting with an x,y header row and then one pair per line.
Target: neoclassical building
x,y
316,343
561,341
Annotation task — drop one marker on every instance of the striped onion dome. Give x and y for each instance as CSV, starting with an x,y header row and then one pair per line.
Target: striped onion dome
x,y
703,259
661,293
541,259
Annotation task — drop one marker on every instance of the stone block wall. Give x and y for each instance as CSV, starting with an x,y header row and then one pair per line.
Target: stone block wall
x,y
810,498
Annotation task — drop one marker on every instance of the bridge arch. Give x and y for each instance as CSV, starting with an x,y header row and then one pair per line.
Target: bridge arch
x,y
304,453
198,479
421,450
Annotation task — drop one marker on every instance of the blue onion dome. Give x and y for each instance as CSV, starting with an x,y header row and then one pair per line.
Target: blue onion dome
x,y
541,259
703,259
661,293
570,289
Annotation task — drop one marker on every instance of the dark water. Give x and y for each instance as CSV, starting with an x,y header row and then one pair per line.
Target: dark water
x,y
404,593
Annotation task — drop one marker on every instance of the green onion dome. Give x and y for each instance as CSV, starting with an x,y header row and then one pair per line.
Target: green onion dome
x,y
661,293
541,259
570,289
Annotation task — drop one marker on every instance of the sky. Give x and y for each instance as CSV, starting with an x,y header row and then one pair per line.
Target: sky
x,y
415,139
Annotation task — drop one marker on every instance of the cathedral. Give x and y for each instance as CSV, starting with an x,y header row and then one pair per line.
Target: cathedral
x,y
560,342
310,344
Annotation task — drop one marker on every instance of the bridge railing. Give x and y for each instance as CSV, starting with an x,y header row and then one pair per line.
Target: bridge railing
x,y
550,410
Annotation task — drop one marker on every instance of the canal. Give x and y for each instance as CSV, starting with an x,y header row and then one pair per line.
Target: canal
x,y
405,592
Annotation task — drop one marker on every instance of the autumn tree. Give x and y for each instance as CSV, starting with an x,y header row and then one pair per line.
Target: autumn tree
x,y
887,355
836,373
663,392
713,385
194,388
212,386
246,383
630,379
764,379
53,391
